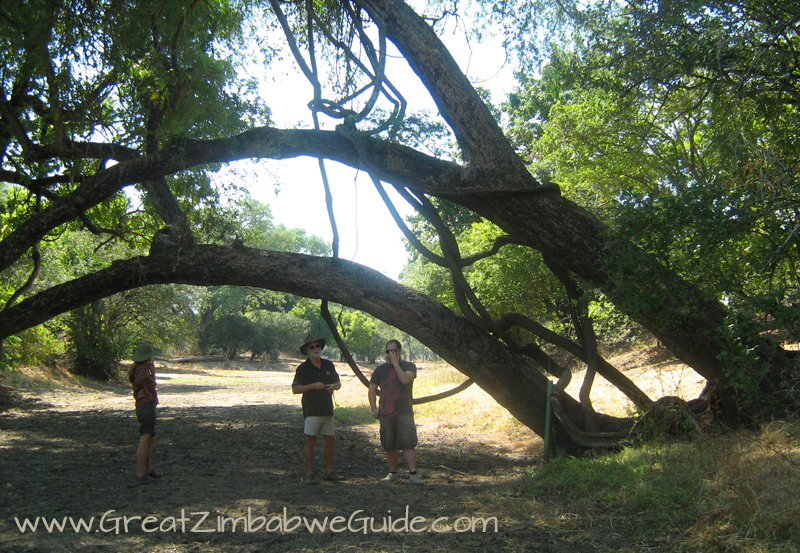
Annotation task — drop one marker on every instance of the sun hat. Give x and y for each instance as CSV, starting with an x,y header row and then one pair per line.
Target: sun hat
x,y
310,340
145,351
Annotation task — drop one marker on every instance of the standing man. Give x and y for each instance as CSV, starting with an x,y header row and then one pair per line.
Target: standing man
x,y
316,379
395,380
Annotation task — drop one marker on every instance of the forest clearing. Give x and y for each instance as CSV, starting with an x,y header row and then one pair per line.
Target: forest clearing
x,y
229,442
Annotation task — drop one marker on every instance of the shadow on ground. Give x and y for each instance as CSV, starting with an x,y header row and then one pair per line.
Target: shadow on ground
x,y
228,461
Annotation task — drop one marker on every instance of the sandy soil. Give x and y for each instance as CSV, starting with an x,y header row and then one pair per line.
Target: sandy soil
x,y
229,442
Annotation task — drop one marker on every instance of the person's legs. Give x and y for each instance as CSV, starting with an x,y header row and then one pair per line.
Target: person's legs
x,y
411,459
146,415
406,437
389,440
407,441
392,456
143,455
308,453
328,430
312,427
327,452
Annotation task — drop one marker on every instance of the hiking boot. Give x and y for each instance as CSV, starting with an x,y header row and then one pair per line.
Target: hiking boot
x,y
415,479
391,477
332,477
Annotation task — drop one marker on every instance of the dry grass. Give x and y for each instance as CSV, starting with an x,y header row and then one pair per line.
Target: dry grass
x,y
470,416
730,491
753,479
652,369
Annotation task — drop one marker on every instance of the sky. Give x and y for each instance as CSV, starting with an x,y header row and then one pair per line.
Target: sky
x,y
294,190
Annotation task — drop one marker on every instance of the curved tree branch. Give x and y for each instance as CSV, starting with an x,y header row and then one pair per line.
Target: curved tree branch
x,y
579,241
442,395
518,386
584,329
401,162
412,239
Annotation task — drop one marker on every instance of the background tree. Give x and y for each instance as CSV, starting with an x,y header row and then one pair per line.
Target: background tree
x,y
252,224
284,330
233,334
107,330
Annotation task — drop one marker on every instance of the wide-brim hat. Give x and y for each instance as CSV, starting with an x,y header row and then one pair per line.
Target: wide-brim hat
x,y
145,352
310,340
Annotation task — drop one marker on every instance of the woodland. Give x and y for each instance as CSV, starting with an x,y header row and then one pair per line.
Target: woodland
x,y
640,180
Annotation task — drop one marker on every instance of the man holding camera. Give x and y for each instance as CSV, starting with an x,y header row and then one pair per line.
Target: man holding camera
x,y
394,381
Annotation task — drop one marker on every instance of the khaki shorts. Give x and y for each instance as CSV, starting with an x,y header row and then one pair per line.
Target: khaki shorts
x,y
319,426
398,432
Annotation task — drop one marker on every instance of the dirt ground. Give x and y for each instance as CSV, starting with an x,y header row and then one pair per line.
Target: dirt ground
x,y
229,444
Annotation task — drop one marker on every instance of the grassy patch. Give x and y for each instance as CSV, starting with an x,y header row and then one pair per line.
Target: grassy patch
x,y
722,492
472,405
353,416
43,379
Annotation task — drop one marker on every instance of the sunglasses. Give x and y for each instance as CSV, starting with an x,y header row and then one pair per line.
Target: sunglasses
x,y
391,351
314,346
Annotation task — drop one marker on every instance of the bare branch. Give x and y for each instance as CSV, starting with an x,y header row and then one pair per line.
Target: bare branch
x,y
499,242
36,257
419,246
442,395
326,315
606,370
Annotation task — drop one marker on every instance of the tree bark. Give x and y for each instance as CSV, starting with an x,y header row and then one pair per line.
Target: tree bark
x,y
675,311
508,377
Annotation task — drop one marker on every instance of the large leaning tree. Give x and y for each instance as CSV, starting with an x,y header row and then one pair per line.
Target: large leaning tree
x,y
98,97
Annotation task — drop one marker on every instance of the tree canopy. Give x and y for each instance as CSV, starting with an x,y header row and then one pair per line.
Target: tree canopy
x,y
101,98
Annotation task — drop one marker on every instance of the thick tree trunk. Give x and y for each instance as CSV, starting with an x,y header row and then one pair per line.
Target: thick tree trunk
x,y
675,311
508,377
672,309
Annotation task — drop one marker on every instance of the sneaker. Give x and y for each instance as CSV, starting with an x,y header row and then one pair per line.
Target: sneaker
x,y
415,479
391,477
153,474
332,477
310,480
145,479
